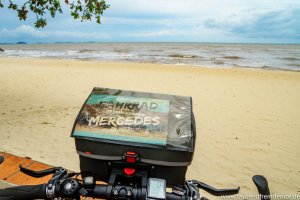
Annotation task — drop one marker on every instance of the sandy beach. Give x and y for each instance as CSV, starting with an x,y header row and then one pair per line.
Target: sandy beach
x,y
248,121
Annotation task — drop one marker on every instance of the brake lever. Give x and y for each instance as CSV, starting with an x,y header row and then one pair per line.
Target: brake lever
x,y
39,174
214,191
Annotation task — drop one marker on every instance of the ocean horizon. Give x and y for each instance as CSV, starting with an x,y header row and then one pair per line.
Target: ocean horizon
x,y
244,55
87,42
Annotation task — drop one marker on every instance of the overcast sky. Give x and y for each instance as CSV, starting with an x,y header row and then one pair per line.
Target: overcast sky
x,y
228,21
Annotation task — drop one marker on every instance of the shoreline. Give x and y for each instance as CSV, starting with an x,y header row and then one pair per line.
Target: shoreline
x,y
247,120
153,63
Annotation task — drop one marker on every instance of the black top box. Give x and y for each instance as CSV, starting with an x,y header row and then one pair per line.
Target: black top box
x,y
159,128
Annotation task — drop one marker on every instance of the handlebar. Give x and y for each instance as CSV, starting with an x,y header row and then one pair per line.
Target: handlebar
x,y
39,192
24,192
99,191
66,185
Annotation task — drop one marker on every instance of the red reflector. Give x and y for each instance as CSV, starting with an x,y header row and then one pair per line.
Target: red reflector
x,y
88,152
129,171
130,153
130,159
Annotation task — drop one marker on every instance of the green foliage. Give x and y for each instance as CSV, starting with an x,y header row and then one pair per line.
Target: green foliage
x,y
83,10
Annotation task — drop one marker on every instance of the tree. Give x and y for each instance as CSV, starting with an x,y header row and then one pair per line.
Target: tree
x,y
83,10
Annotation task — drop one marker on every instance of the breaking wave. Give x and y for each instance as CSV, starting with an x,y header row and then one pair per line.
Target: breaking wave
x,y
284,57
182,56
232,57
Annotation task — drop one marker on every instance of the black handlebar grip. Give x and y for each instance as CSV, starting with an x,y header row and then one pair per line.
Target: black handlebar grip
x,y
172,196
100,191
25,192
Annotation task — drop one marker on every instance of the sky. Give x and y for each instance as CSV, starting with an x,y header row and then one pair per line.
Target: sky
x,y
220,21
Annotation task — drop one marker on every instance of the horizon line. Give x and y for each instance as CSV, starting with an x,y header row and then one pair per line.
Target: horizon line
x,y
68,42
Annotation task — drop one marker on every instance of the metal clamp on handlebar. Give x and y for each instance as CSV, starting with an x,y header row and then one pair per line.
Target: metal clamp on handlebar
x,y
192,190
50,191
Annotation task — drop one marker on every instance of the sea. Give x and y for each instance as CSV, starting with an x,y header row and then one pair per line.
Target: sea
x,y
261,56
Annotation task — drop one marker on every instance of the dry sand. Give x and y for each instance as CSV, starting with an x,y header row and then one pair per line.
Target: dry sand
x,y
248,121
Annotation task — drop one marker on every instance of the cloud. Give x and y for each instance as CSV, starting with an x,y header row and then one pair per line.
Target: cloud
x,y
28,33
171,20
191,8
270,25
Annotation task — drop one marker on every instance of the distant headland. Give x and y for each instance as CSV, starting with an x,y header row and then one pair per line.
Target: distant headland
x,y
8,43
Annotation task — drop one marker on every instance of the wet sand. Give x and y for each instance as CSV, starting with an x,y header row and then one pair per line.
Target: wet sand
x,y
248,121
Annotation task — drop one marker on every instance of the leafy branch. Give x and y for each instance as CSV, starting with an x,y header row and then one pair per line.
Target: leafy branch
x,y
83,10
